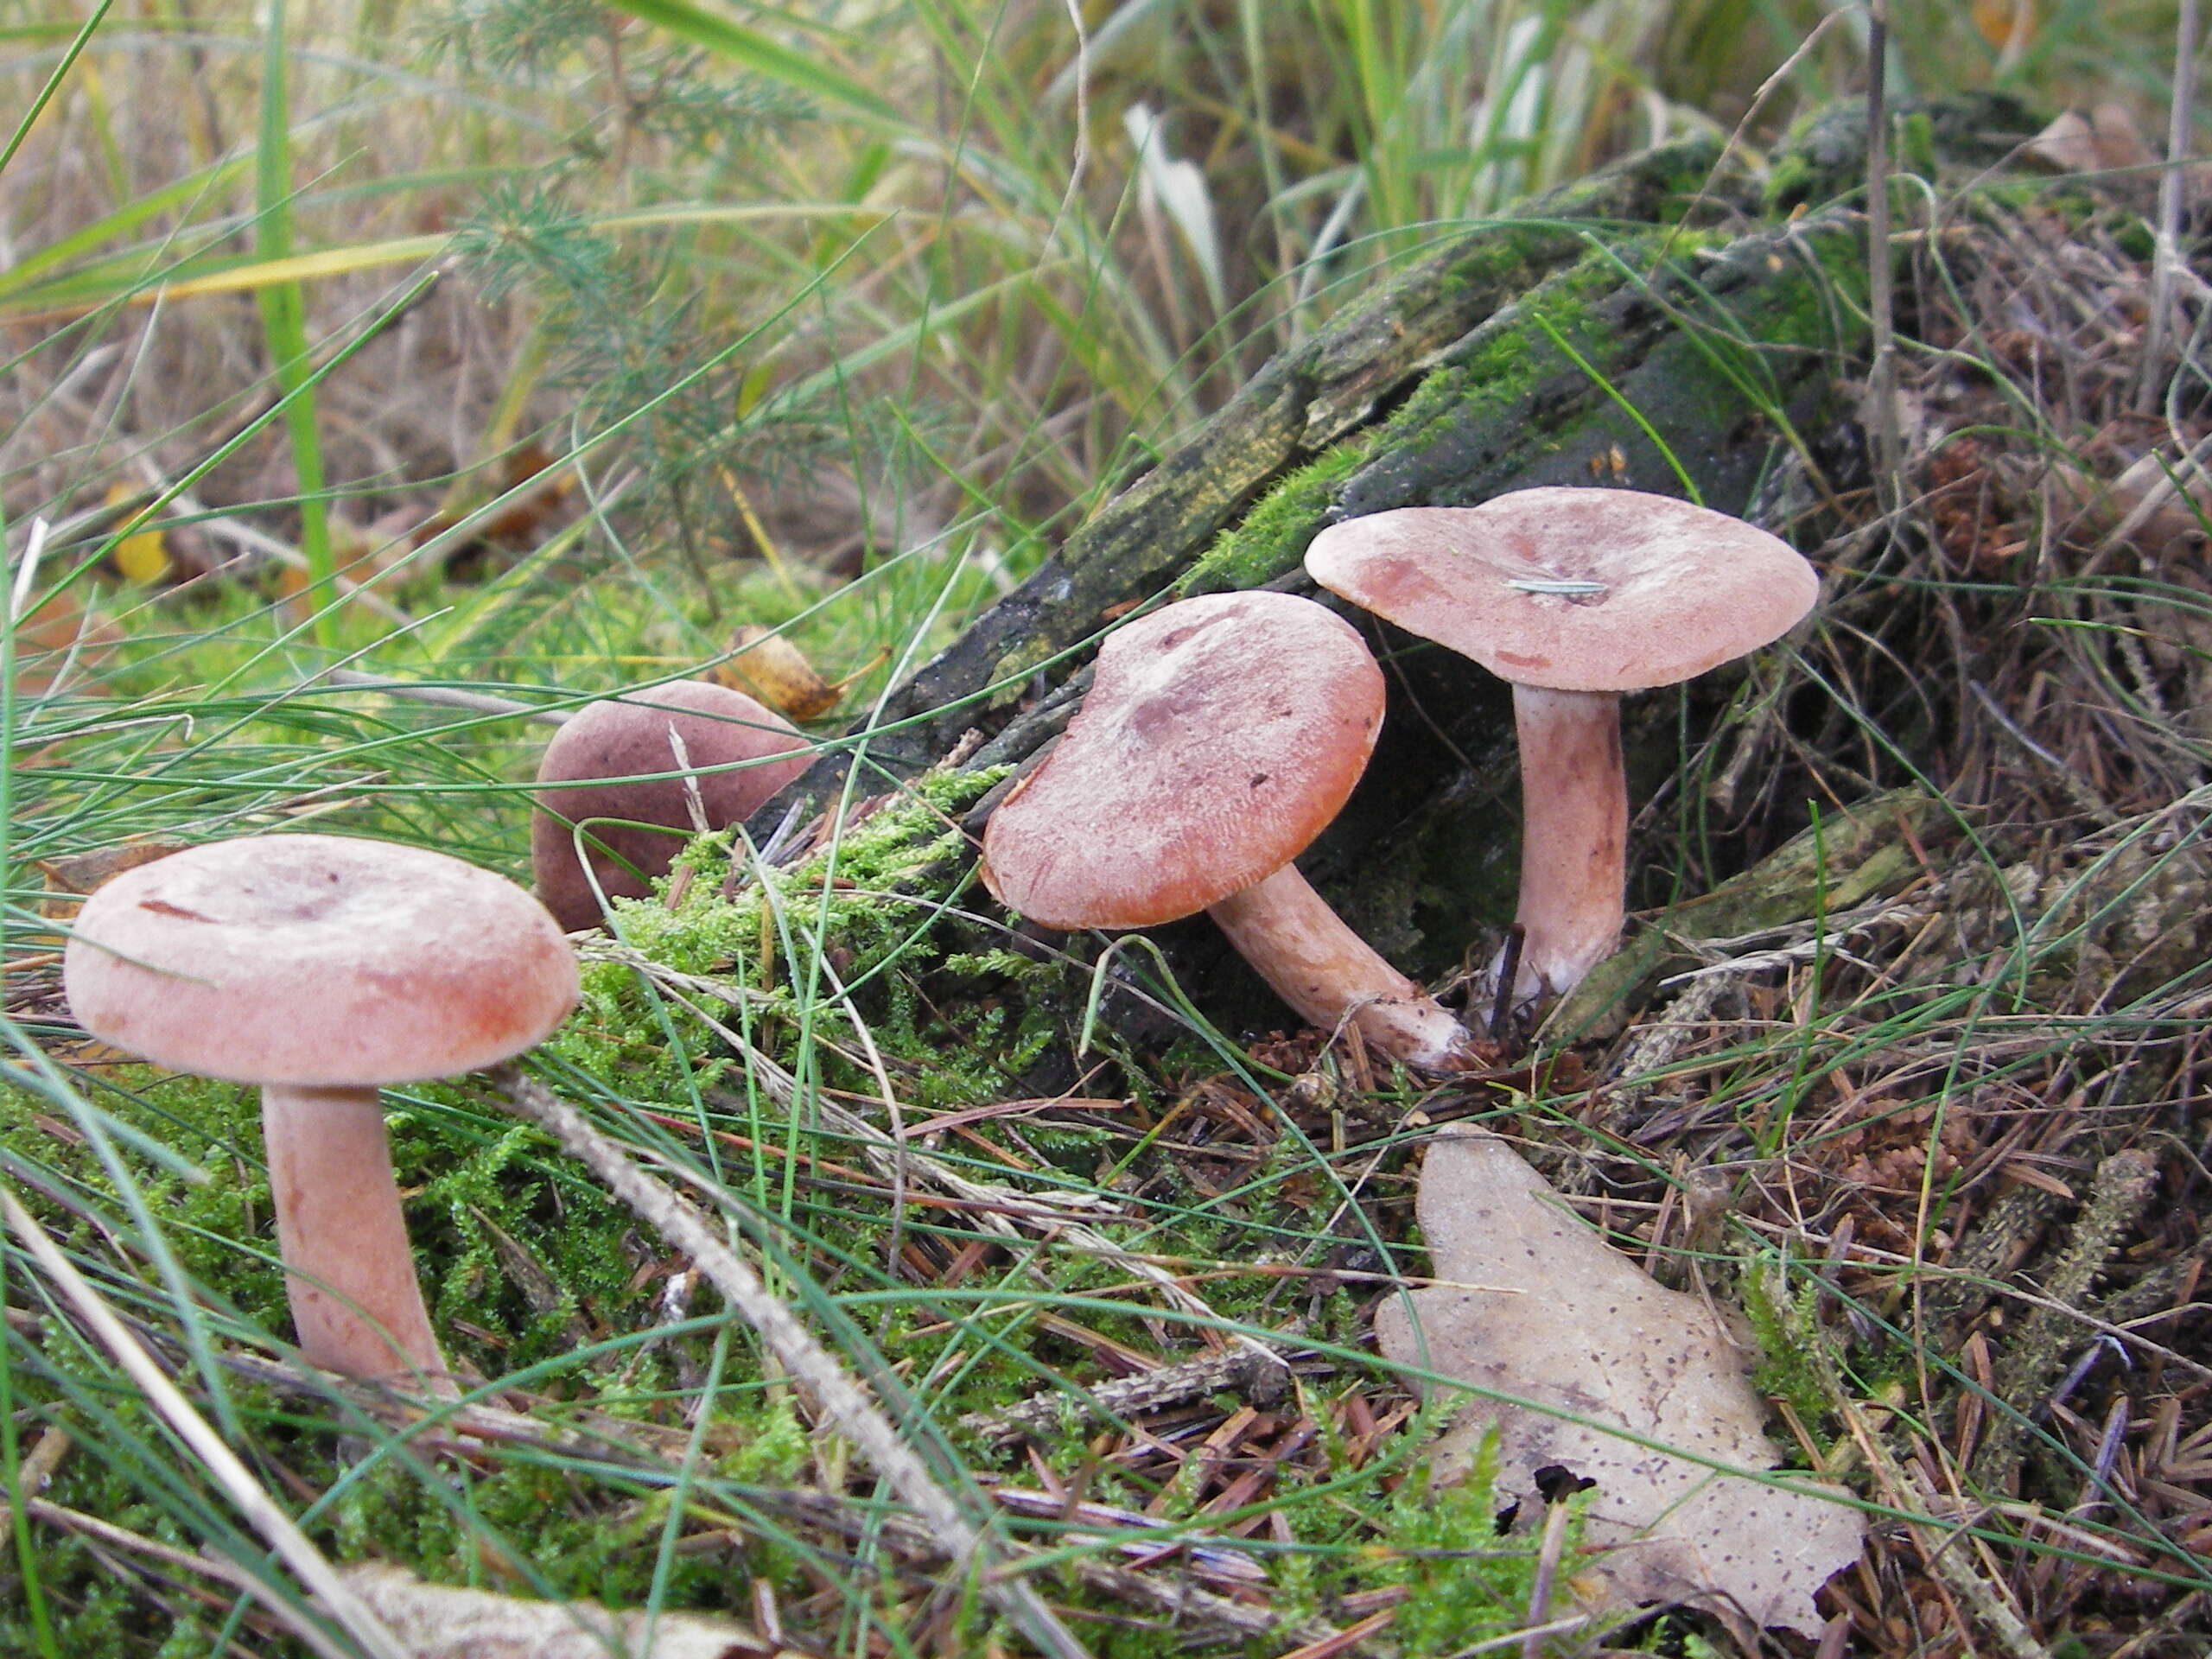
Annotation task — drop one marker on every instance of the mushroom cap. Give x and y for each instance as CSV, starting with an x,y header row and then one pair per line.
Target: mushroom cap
x,y
627,738
1220,735
317,962
1684,589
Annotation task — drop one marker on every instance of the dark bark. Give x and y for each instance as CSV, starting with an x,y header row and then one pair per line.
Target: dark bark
x,y
1299,406
1680,359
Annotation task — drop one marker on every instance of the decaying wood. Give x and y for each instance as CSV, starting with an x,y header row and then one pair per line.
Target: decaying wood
x,y
1629,354
1248,1373
1301,403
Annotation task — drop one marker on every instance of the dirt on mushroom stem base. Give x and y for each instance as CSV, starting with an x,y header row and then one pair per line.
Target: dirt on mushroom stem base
x,y
1331,977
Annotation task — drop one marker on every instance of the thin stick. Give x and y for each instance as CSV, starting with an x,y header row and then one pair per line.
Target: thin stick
x,y
796,1348
2166,250
482,702
292,1546
1881,379
1509,975
1548,1551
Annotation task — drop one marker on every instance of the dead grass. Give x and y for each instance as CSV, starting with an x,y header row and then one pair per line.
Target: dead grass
x,y
1957,1150
1949,1147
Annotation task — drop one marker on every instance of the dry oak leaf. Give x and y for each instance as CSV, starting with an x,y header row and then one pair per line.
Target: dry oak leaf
x,y
1534,1304
436,1621
768,666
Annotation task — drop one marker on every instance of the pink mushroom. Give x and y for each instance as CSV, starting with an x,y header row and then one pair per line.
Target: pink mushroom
x,y
321,968
1574,595
617,811
1220,735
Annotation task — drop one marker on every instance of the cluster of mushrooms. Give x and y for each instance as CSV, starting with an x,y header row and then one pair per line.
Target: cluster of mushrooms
x,y
1220,736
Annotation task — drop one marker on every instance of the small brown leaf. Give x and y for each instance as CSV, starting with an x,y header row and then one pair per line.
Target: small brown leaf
x,y
2105,140
1534,1304
768,666
73,875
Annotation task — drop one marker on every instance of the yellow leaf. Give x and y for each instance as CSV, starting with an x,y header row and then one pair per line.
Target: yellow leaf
x,y
143,555
2006,24
771,668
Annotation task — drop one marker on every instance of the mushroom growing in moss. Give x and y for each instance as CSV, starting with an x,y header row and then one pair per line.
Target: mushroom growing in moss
x,y
321,968
1574,596
1219,736
627,779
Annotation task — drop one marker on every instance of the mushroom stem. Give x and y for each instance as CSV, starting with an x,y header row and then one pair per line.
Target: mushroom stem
x,y
349,1274
1328,973
1575,834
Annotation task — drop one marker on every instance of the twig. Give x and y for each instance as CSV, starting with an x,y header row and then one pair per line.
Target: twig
x,y
1548,1551
1881,377
1127,1396
291,1545
439,1621
1509,975
1006,1206
1200,1611
2166,250
1876,912
2040,1344
482,702
802,1355
1949,1567
183,1560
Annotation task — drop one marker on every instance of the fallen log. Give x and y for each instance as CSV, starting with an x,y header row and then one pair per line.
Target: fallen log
x,y
1585,338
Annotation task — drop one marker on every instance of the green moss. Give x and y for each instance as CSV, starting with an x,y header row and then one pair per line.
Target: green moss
x,y
1514,353
1788,1334
1465,1583
1274,534
875,914
1510,257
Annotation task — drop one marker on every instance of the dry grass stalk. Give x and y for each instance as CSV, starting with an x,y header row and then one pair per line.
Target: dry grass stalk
x,y
801,1354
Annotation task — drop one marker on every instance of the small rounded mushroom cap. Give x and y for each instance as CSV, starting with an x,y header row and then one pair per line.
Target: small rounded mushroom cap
x,y
317,962
1666,590
1220,735
628,737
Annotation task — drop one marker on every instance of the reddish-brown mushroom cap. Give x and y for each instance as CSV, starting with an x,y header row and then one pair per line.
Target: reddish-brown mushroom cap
x,y
1220,735
1573,589
317,961
320,967
629,737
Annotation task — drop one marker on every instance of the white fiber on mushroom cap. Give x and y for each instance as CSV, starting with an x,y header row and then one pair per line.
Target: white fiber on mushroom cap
x,y
318,961
1573,589
1219,737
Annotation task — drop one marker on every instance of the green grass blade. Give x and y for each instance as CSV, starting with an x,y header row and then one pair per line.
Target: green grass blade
x,y
283,312
756,52
84,38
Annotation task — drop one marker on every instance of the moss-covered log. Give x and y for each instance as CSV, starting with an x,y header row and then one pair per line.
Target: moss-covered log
x,y
1307,408
1563,345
